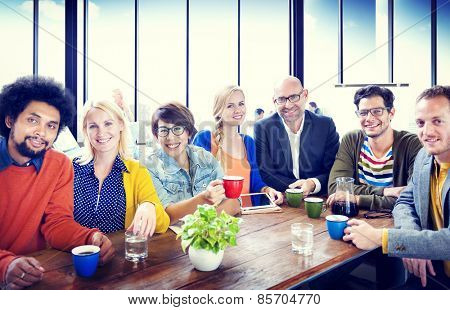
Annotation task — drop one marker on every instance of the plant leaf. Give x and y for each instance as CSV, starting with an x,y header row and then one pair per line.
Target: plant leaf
x,y
205,229
185,244
191,231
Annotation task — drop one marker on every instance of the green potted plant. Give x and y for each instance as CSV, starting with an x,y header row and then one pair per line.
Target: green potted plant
x,y
207,234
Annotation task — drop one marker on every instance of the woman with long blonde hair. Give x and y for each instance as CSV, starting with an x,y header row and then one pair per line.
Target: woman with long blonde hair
x,y
112,191
235,151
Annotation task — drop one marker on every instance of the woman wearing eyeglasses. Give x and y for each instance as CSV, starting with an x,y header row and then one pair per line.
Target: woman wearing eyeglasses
x,y
112,191
235,151
185,175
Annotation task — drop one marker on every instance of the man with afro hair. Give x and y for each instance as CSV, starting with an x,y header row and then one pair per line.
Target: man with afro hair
x,y
36,194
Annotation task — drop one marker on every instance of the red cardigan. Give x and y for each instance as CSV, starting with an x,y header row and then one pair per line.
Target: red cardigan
x,y
36,209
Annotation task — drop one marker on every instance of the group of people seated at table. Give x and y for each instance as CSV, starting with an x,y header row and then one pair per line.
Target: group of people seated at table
x,y
48,200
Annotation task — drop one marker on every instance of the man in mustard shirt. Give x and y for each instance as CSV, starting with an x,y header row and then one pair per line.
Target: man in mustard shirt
x,y
421,213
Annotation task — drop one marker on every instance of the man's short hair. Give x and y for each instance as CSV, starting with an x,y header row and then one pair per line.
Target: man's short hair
x,y
258,111
174,113
373,90
15,97
435,91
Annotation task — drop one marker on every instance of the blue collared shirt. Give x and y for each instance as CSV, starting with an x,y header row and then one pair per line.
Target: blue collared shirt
x,y
104,210
173,183
6,159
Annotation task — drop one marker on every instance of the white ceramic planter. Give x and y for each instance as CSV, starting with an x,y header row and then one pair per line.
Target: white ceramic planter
x,y
204,260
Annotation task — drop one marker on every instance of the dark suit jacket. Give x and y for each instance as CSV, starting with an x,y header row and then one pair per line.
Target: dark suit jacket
x,y
319,143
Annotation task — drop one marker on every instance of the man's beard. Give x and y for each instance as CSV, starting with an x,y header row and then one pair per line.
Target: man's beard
x,y
25,151
292,118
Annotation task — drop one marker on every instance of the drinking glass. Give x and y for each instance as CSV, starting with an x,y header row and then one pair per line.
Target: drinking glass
x,y
302,238
136,247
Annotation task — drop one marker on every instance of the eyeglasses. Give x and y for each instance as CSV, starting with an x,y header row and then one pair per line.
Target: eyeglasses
x,y
291,98
376,214
176,130
374,112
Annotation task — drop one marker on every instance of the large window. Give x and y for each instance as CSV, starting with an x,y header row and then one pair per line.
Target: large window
x,y
111,50
213,51
443,42
52,39
321,64
264,51
412,28
16,55
80,67
162,56
321,49
365,37
366,33
162,52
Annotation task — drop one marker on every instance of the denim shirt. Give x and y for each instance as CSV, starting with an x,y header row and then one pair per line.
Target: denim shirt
x,y
174,184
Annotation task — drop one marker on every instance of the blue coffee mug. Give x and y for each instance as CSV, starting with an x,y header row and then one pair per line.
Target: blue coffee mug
x,y
85,260
336,225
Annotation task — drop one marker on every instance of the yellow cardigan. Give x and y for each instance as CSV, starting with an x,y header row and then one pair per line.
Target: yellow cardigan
x,y
138,189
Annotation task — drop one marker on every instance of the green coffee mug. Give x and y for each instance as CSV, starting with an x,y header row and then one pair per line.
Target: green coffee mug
x,y
294,197
314,207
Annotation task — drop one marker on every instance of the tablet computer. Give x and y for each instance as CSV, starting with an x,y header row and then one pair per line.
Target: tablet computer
x,y
263,201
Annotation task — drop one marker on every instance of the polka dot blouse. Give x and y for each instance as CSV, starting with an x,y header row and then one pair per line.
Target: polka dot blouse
x,y
104,210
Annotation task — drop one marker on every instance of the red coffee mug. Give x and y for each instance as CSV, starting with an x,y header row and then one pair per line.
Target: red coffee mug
x,y
233,186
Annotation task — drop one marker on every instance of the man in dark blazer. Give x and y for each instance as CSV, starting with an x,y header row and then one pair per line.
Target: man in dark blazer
x,y
294,147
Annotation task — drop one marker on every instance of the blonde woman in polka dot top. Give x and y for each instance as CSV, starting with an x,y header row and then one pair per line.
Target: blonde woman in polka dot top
x,y
112,191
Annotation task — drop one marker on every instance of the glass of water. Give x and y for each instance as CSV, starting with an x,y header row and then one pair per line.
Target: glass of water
x,y
302,238
136,247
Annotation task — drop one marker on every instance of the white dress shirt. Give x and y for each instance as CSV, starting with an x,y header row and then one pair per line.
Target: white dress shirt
x,y
294,141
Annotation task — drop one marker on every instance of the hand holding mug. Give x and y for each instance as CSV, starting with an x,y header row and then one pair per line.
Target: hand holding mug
x,y
214,193
308,186
362,234
106,249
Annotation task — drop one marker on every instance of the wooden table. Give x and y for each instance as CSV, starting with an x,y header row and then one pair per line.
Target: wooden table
x,y
262,259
